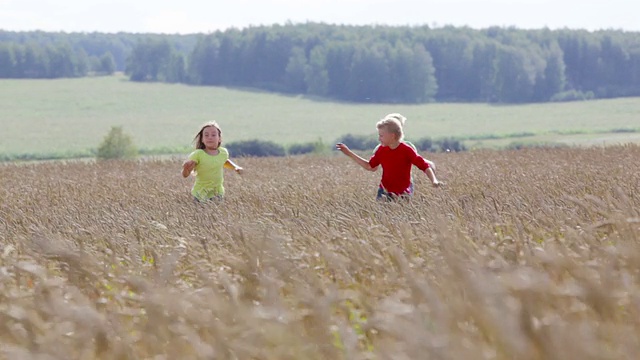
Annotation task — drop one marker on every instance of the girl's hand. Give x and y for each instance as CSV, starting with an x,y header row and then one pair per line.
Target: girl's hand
x,y
436,183
238,170
189,165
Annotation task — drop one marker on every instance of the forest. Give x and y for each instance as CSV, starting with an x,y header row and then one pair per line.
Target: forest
x,y
361,64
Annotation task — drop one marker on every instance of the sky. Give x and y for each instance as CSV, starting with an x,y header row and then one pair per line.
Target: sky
x,y
204,16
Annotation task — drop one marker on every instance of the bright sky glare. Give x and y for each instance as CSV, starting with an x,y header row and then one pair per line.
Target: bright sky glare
x,y
202,16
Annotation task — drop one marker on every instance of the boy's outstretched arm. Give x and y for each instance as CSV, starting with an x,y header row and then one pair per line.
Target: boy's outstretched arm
x,y
432,177
359,160
231,165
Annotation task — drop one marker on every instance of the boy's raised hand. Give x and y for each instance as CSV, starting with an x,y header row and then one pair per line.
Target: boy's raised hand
x,y
344,148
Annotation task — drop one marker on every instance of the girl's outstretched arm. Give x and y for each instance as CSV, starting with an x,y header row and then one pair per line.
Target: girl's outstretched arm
x,y
187,167
359,160
231,165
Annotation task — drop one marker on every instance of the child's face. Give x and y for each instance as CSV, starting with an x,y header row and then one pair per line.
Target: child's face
x,y
210,137
386,138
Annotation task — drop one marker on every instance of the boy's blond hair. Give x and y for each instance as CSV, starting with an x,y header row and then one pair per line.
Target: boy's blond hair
x,y
393,123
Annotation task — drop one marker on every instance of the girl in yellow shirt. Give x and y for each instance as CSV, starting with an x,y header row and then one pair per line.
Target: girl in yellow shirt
x,y
208,161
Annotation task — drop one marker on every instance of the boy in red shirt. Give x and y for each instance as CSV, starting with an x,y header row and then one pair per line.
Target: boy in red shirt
x,y
396,159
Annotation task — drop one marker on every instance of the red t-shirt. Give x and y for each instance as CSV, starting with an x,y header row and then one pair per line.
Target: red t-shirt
x,y
396,166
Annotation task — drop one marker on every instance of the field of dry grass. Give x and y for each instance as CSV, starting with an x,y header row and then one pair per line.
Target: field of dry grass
x,y
530,254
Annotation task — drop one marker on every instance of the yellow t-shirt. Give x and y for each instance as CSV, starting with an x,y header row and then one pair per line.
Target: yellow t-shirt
x,y
209,173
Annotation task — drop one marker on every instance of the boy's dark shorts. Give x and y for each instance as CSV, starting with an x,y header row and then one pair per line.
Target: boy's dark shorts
x,y
384,195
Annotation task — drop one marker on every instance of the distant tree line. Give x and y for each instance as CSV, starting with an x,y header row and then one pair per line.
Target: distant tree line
x,y
378,64
39,54
366,144
51,61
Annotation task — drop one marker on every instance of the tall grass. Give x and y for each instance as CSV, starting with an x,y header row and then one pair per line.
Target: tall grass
x,y
529,254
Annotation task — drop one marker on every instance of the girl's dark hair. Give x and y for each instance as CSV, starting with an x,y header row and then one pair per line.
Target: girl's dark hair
x,y
197,140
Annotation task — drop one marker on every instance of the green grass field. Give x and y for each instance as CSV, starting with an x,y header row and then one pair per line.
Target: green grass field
x,y
73,115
